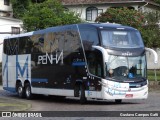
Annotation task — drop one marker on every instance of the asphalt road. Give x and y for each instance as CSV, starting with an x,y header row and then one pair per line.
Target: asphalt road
x,y
45,103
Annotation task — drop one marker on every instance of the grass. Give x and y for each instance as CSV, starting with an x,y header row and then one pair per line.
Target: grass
x,y
151,75
13,105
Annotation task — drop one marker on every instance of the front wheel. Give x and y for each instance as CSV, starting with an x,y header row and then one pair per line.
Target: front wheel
x,y
28,91
82,94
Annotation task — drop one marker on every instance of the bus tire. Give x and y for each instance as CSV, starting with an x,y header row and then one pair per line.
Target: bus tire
x,y
28,91
82,94
118,101
76,90
20,90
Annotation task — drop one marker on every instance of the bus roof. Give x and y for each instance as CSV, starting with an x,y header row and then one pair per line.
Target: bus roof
x,y
107,25
20,35
94,25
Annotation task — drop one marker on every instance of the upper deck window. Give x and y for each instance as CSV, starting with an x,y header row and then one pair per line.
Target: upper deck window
x,y
121,38
89,37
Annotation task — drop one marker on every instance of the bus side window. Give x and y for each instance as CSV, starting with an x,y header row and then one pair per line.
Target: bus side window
x,y
5,46
24,45
12,46
95,63
92,64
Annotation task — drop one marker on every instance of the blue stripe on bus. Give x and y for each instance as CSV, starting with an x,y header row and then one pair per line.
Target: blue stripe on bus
x,y
39,80
11,89
22,69
6,69
78,64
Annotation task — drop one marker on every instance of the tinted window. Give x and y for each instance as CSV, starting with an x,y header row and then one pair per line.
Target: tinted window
x,y
38,43
121,39
5,46
25,45
95,63
12,46
89,37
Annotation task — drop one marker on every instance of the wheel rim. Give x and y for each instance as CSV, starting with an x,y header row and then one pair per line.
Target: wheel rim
x,y
80,93
20,89
28,91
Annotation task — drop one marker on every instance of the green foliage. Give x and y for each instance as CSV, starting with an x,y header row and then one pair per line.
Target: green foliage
x,y
151,30
151,75
123,16
150,34
157,1
152,17
47,14
19,7
37,1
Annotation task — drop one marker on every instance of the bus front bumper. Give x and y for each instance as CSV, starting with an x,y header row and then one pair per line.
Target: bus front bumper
x,y
131,93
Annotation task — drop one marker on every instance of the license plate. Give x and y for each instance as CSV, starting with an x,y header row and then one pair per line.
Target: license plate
x,y
129,95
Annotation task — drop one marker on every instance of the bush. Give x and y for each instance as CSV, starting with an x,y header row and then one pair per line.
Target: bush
x,y
123,16
151,30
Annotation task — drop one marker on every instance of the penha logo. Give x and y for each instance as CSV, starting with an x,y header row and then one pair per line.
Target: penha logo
x,y
51,58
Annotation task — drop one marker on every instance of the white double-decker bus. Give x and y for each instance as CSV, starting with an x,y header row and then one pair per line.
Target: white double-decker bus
x,y
101,61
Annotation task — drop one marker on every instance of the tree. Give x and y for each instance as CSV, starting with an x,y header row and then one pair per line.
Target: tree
x,y
157,1
19,7
151,30
123,16
37,1
46,14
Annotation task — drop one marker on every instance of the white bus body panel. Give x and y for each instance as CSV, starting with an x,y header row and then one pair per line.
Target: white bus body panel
x,y
24,68
50,91
9,72
15,67
115,90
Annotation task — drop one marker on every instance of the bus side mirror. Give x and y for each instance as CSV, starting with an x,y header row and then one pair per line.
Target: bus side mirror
x,y
154,53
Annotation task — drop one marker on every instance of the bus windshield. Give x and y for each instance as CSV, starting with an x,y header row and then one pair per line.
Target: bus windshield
x,y
120,68
121,38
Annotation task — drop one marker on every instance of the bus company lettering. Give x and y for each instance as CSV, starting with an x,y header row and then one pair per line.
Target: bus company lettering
x,y
51,58
127,54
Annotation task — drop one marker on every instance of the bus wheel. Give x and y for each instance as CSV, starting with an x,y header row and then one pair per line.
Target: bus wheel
x,y
82,94
76,90
118,101
20,90
28,92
